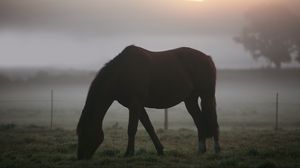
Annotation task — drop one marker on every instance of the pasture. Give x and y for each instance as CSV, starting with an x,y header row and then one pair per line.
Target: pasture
x,y
34,146
246,114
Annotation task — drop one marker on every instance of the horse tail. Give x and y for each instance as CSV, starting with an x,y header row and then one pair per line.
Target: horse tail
x,y
208,104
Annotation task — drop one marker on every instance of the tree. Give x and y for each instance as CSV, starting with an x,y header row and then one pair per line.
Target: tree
x,y
273,33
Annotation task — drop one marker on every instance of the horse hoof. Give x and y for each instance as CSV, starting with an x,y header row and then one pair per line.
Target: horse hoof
x,y
201,152
201,149
217,149
129,154
160,153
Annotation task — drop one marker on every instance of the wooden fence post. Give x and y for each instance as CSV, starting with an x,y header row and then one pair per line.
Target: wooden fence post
x,y
51,116
276,114
166,119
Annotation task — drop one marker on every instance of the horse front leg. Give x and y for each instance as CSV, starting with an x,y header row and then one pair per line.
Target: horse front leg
x,y
144,118
217,147
132,128
202,146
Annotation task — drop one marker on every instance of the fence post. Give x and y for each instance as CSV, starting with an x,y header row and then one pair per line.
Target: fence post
x,y
51,116
166,119
276,114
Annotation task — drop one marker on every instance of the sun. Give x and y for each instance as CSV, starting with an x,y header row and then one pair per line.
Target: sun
x,y
196,0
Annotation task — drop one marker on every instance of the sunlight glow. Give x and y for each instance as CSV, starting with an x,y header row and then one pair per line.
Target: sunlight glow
x,y
195,0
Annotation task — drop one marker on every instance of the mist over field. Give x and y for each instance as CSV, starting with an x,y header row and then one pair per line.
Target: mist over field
x,y
245,98
51,50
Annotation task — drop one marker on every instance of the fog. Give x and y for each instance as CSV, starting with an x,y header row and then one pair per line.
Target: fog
x,y
61,44
86,34
245,98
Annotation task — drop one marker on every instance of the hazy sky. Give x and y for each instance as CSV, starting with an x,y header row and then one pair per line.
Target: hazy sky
x,y
86,33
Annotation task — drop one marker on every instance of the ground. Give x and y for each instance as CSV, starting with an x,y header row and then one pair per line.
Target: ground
x,y
34,146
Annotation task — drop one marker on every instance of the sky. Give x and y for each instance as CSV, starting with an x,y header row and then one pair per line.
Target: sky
x,y
85,34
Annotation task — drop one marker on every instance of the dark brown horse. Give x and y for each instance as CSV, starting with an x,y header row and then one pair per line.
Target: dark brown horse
x,y
138,78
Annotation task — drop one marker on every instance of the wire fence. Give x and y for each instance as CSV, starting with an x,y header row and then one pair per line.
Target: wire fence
x,y
65,112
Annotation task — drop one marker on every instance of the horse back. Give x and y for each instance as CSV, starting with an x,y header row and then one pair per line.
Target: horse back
x,y
164,79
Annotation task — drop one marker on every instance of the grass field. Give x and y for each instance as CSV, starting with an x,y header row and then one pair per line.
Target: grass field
x,y
246,114
34,146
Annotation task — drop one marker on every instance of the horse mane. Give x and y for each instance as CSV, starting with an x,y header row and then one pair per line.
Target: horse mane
x,y
103,74
108,68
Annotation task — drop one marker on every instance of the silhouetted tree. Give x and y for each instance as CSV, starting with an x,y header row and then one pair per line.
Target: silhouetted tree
x,y
273,32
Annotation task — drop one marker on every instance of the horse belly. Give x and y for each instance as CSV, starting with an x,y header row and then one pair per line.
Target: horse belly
x,y
168,93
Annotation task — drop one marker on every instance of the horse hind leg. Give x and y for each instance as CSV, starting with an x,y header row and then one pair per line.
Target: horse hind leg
x,y
208,105
194,110
132,128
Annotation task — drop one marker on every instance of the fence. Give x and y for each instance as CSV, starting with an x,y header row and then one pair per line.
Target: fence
x,y
36,112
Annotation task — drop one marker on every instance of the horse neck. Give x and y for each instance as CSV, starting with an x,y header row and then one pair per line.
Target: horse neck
x,y
98,101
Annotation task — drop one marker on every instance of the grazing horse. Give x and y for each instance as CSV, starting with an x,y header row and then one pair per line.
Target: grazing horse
x,y
138,78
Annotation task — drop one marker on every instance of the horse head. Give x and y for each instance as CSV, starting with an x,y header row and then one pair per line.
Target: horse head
x,y
90,136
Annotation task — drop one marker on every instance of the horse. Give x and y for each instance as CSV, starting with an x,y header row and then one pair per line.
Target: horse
x,y
138,78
